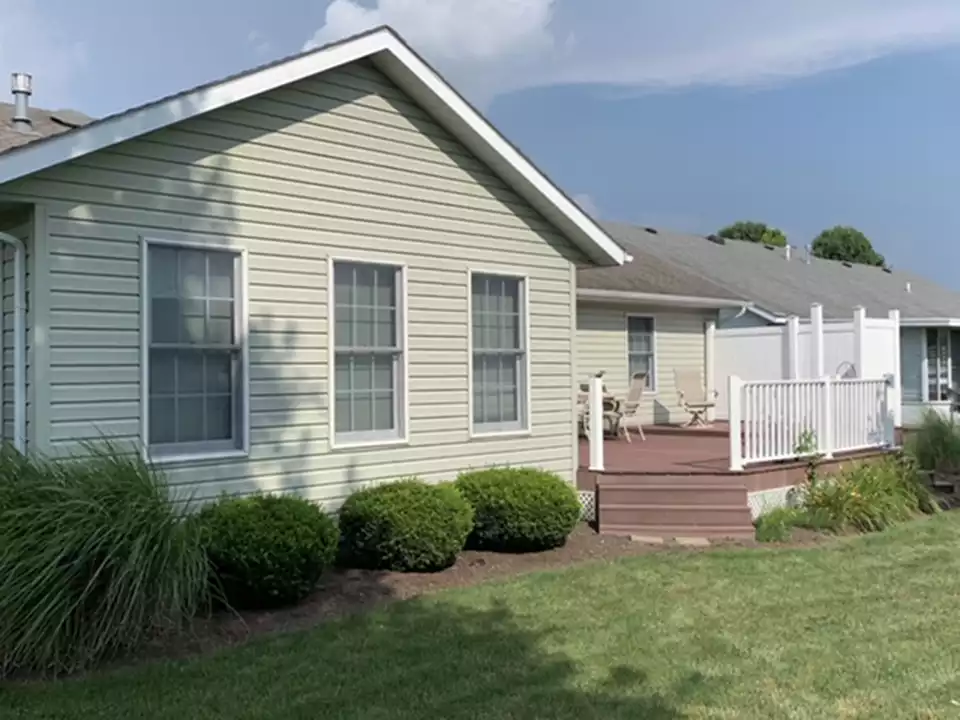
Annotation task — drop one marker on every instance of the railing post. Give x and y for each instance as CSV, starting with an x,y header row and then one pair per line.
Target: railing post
x,y
889,416
595,431
734,400
897,375
826,442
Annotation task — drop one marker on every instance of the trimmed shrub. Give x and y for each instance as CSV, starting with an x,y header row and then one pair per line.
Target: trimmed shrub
x,y
519,509
871,496
267,550
408,526
95,558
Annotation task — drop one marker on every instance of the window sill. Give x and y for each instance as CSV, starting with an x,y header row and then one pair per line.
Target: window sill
x,y
499,434
346,445
177,459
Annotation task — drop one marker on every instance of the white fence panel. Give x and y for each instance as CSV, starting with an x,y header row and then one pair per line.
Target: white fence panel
x,y
785,419
761,353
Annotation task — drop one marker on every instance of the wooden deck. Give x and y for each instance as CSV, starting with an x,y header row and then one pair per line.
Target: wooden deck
x,y
678,483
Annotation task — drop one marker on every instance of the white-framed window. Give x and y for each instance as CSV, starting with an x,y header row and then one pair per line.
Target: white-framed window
x,y
195,354
642,349
498,353
369,352
942,362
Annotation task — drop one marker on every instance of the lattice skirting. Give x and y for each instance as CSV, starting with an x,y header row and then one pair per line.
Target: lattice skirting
x,y
588,503
766,500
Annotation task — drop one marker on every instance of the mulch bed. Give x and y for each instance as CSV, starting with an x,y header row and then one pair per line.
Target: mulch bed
x,y
343,592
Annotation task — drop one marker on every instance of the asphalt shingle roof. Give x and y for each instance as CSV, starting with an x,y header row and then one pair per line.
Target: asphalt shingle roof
x,y
46,123
773,283
651,273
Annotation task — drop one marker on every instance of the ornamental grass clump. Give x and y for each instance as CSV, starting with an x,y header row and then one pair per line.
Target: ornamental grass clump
x,y
96,557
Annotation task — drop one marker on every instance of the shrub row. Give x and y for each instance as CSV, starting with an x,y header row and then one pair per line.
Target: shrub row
x,y
96,556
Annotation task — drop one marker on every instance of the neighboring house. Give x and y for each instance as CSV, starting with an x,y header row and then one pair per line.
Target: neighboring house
x,y
649,316
323,272
785,281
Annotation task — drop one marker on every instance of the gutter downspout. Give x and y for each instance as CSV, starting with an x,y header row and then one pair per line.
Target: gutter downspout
x,y
19,341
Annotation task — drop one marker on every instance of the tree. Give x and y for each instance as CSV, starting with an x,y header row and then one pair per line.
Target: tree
x,y
755,232
848,244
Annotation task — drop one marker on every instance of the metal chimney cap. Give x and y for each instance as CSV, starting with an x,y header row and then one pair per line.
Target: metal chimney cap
x,y
21,83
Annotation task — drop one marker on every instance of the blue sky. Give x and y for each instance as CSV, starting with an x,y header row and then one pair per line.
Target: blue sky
x,y
687,114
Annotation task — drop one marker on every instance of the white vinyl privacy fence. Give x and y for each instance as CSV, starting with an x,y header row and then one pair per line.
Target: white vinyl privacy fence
x,y
784,419
861,347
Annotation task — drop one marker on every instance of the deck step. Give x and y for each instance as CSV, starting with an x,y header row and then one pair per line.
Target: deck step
x,y
693,494
671,532
641,515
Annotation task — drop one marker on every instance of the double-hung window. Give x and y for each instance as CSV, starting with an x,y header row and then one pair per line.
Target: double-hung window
x,y
368,347
641,351
195,358
942,348
498,353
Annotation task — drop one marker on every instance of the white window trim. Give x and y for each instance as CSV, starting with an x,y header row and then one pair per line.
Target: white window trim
x,y
655,380
526,404
146,242
403,403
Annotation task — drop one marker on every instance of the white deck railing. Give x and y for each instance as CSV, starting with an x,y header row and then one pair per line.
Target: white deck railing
x,y
786,419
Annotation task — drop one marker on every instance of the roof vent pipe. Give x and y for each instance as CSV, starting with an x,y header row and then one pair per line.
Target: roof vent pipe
x,y
21,84
806,254
908,289
786,252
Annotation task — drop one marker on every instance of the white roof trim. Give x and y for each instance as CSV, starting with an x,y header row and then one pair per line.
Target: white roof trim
x,y
684,301
767,315
930,322
393,57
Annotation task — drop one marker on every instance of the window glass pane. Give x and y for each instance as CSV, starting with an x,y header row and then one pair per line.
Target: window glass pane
x,y
365,283
509,332
386,333
363,327
362,378
342,285
362,411
193,273
383,410
162,420
386,287
510,302
383,373
343,414
162,372
189,372
190,419
218,372
219,417
221,275
342,374
343,331
163,271
220,331
164,321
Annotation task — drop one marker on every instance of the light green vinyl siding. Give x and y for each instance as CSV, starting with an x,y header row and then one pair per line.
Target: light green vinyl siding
x,y
345,166
678,344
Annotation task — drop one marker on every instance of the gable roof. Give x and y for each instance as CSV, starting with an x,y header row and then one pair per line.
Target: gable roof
x,y
395,59
45,123
648,274
783,287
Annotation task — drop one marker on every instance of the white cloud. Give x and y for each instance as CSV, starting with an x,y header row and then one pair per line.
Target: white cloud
x,y
31,42
494,46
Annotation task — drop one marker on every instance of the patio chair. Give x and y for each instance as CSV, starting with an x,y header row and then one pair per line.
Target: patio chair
x,y
630,413
693,396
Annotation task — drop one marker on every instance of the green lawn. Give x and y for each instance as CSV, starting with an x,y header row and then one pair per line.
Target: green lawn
x,y
865,628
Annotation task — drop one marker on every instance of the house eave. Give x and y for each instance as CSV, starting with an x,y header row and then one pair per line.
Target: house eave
x,y
624,297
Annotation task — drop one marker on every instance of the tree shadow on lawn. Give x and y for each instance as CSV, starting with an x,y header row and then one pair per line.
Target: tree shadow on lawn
x,y
425,658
